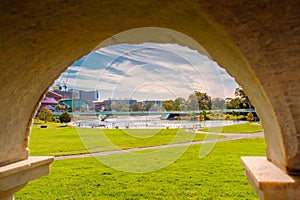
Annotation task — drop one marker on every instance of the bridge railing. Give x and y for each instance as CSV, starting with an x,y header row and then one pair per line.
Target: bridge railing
x,y
156,112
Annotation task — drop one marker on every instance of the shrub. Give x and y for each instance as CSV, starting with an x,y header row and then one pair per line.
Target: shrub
x,y
250,116
241,117
227,116
45,114
65,117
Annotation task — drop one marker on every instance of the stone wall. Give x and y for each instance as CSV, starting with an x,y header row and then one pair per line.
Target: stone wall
x,y
268,35
257,42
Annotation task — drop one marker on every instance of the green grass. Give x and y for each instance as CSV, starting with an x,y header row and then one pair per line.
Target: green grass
x,y
238,128
219,175
144,138
56,140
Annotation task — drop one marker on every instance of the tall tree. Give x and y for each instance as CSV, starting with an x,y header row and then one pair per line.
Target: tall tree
x,y
147,106
193,103
202,99
155,107
169,105
136,107
217,103
239,92
180,104
233,103
119,106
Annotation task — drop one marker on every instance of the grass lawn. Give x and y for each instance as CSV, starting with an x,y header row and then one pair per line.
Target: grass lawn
x,y
56,140
238,128
219,175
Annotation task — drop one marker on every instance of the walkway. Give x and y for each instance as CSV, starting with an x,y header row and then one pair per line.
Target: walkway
x,y
229,136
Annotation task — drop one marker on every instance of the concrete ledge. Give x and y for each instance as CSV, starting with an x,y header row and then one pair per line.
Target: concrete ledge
x,y
269,181
15,176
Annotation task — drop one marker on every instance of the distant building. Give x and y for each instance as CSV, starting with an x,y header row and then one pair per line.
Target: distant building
x,y
152,102
68,94
88,95
78,100
74,94
110,102
99,106
54,95
78,105
51,100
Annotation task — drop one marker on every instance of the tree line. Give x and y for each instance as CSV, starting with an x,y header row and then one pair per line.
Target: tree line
x,y
195,101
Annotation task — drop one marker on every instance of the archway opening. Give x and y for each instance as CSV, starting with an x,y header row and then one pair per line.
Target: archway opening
x,y
237,35
119,61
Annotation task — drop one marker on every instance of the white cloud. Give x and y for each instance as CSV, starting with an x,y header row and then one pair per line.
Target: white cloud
x,y
148,71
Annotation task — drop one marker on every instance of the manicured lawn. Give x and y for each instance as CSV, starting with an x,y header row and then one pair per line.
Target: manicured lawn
x,y
56,140
219,175
238,128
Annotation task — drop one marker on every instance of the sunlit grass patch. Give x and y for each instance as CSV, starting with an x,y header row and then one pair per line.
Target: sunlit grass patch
x,y
57,140
238,128
219,175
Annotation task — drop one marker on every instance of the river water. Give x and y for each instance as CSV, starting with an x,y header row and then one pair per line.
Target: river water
x,y
154,122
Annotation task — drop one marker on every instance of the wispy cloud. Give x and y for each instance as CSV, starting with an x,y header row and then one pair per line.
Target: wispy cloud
x,y
148,71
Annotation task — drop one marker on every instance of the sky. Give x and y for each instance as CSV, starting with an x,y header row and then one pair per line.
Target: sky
x,y
148,71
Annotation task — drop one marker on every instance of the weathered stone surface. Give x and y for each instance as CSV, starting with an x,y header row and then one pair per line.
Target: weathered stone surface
x,y
269,181
257,42
268,35
15,176
41,39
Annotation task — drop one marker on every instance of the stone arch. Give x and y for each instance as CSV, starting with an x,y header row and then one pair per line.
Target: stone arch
x,y
256,42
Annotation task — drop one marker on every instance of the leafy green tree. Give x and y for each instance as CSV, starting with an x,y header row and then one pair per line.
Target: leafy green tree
x,y
183,107
217,103
119,106
63,107
203,100
155,108
147,106
193,102
136,107
203,116
233,103
227,116
180,104
45,114
70,109
169,105
192,116
241,100
245,102
59,107
65,117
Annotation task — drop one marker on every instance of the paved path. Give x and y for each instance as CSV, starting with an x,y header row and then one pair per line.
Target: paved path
x,y
229,136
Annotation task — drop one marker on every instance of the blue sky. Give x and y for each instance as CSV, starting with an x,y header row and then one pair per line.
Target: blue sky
x,y
148,71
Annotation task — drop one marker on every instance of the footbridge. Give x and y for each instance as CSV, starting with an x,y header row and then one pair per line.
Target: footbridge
x,y
167,114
